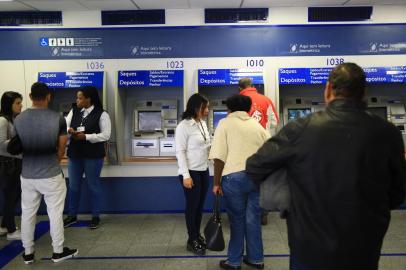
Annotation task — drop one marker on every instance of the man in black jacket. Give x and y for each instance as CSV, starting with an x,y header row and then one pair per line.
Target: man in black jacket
x,y
346,171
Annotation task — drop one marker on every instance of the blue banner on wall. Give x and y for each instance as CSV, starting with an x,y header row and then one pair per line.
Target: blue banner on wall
x,y
214,77
203,41
320,75
148,78
71,79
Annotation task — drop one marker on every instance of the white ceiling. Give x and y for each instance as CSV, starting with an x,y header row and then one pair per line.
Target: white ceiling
x,y
82,5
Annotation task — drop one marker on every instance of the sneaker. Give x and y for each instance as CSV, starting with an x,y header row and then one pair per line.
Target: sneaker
x,y
3,231
254,265
28,259
66,254
94,224
16,235
69,220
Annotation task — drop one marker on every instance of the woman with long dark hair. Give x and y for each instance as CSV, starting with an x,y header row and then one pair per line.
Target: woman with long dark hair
x,y
89,127
10,166
192,151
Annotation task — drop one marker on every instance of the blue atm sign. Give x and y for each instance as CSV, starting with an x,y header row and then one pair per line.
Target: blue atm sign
x,y
320,75
149,78
212,77
71,79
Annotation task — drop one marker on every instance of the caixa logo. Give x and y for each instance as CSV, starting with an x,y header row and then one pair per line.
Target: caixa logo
x,y
47,75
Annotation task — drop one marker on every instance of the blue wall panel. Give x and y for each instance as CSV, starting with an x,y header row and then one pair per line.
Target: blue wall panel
x,y
202,41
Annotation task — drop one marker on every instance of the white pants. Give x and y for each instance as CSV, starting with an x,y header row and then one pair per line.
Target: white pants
x,y
54,191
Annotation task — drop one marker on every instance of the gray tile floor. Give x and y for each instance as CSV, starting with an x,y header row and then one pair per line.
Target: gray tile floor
x,y
160,240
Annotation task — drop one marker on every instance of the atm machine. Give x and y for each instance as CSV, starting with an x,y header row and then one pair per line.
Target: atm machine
x,y
299,107
217,111
147,113
391,108
155,122
219,84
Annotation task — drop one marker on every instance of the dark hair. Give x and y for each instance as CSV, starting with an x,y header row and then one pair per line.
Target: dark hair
x,y
244,83
7,101
92,93
348,80
238,103
195,103
39,91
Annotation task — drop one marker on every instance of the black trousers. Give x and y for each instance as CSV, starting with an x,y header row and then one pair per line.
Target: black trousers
x,y
12,195
195,198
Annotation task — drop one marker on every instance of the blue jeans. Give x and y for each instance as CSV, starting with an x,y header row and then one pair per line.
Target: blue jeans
x,y
92,169
242,202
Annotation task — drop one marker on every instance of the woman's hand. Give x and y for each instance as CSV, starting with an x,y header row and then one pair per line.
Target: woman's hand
x,y
188,182
217,190
71,131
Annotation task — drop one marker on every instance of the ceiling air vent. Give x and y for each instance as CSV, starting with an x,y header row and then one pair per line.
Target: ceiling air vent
x,y
339,14
235,15
125,17
16,18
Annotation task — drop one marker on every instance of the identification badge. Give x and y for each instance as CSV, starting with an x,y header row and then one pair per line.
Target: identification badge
x,y
80,129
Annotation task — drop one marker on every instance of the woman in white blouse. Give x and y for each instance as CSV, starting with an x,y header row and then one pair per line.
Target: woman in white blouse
x,y
192,151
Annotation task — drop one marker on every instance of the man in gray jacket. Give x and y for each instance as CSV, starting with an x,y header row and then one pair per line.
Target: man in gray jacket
x,y
43,136
345,169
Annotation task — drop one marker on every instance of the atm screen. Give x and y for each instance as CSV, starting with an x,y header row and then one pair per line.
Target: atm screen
x,y
298,113
217,116
149,120
379,111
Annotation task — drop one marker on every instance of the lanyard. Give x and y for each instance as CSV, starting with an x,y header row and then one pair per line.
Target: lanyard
x,y
83,118
202,130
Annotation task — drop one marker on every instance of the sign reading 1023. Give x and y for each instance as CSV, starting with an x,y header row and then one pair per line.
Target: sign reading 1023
x,y
254,62
95,65
334,61
174,64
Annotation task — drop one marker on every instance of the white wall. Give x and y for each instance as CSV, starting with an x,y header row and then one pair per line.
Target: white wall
x,y
19,75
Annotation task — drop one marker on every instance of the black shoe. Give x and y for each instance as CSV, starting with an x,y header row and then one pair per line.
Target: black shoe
x,y
94,224
255,265
66,254
195,247
69,220
202,241
28,259
224,264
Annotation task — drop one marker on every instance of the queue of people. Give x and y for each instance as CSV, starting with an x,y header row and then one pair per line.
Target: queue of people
x,y
345,171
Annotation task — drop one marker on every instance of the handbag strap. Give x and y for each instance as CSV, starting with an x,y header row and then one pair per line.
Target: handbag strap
x,y
216,210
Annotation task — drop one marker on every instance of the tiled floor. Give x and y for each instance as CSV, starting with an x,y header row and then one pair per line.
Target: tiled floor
x,y
157,242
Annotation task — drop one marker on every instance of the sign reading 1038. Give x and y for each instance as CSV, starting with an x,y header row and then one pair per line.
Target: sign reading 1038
x,y
334,61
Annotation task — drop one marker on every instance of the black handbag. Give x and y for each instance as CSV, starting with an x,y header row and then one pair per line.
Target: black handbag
x,y
213,231
15,146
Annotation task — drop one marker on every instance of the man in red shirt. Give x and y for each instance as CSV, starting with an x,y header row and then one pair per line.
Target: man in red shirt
x,y
263,110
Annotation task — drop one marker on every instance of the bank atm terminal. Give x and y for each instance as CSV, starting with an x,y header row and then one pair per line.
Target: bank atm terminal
x,y
300,107
155,122
217,111
147,113
65,85
391,108
219,84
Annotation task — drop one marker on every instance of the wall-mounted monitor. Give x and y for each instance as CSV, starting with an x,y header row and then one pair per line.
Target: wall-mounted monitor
x,y
149,121
382,112
217,116
295,113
